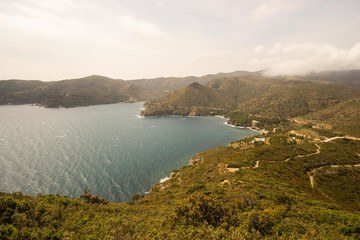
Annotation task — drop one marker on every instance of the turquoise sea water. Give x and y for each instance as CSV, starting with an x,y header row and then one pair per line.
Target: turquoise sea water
x,y
106,148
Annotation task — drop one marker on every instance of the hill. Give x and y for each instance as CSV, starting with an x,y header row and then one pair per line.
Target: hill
x,y
266,97
342,117
86,91
95,89
257,95
351,77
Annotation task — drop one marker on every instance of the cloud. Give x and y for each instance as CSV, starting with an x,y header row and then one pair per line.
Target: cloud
x,y
50,18
282,59
34,17
270,8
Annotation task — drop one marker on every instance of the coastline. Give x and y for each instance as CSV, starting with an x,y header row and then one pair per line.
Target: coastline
x,y
166,178
235,126
241,127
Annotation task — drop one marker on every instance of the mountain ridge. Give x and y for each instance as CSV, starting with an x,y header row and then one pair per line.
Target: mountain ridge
x,y
90,90
264,97
79,92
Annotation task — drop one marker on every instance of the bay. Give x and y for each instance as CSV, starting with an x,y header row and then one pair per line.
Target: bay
x,y
106,148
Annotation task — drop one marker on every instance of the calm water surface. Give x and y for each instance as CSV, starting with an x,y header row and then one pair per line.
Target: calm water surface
x,y
106,148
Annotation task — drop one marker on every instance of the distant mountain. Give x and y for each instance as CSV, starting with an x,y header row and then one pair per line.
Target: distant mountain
x,y
96,89
85,91
351,77
240,91
275,96
163,85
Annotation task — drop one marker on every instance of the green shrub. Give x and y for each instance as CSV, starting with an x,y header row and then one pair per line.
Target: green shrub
x,y
261,221
201,209
196,187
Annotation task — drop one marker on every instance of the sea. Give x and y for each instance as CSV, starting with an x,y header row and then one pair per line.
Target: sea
x,y
108,149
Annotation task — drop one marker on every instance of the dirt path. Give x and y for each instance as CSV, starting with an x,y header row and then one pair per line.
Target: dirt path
x,y
233,170
311,154
347,137
311,177
297,121
312,173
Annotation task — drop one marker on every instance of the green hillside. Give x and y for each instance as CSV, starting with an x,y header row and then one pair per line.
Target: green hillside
x,y
289,189
343,117
258,95
247,98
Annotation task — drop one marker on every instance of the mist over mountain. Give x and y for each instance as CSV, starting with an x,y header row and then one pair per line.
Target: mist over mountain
x,y
301,58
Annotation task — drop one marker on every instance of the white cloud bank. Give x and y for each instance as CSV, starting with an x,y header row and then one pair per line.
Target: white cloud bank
x,y
59,39
283,59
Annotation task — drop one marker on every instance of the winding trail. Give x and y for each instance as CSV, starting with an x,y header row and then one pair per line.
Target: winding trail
x,y
233,170
318,150
312,173
347,137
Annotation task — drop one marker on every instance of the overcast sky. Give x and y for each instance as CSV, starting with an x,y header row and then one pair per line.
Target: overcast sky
x,y
62,39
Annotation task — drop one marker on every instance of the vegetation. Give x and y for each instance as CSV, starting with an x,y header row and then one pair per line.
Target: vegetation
x,y
297,180
324,101
274,200
343,117
93,90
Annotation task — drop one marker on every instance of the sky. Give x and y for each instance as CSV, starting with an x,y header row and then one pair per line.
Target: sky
x,y
64,39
